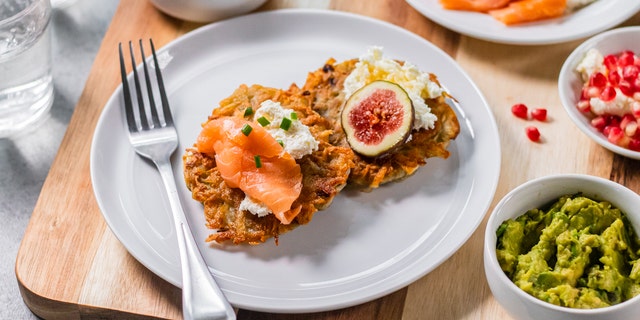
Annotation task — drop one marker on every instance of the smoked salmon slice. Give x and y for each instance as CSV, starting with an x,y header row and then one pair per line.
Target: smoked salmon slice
x,y
259,141
276,181
474,5
228,164
529,10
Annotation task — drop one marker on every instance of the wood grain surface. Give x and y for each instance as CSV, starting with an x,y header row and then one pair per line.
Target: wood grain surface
x,y
71,266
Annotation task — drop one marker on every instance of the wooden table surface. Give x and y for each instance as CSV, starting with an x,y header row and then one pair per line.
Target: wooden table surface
x,y
71,266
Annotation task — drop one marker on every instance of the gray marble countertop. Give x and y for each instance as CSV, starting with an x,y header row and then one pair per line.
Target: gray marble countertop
x,y
25,159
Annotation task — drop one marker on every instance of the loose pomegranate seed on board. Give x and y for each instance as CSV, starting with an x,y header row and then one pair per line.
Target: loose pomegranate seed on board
x,y
539,114
533,133
520,110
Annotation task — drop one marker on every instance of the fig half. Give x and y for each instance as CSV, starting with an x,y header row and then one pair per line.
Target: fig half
x,y
377,118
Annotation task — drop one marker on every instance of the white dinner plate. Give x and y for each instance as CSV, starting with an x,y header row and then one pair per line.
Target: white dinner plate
x,y
365,245
587,21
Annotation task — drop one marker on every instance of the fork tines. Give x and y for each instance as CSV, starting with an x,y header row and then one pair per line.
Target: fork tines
x,y
144,122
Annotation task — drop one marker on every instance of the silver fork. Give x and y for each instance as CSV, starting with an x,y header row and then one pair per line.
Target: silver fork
x,y
156,140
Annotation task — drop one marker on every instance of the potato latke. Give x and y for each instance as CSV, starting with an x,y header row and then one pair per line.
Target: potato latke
x,y
325,87
324,171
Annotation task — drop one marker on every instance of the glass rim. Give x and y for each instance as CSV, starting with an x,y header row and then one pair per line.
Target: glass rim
x,y
27,10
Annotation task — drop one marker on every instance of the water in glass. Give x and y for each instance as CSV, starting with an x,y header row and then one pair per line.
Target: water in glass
x,y
26,88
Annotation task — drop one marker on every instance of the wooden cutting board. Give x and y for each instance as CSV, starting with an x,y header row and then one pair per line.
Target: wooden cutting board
x,y
71,266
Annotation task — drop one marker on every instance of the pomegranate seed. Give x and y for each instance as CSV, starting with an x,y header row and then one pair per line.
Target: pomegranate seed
x,y
629,125
615,135
610,61
598,80
532,133
593,92
614,77
626,58
631,129
634,144
630,72
584,93
607,129
613,120
637,133
626,119
635,109
608,94
584,106
539,114
626,88
599,123
519,110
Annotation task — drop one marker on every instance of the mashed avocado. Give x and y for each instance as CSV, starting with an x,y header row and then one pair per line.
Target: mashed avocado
x,y
577,253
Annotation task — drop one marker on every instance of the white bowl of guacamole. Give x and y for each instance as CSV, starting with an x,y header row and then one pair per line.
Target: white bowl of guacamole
x,y
565,247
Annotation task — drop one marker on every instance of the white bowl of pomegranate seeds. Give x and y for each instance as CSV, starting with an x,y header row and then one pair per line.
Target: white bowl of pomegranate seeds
x,y
599,87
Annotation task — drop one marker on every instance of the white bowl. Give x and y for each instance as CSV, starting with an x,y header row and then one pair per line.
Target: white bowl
x,y
536,194
570,84
206,10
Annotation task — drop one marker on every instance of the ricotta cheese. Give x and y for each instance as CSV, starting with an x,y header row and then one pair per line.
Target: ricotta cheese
x,y
591,63
373,66
619,106
297,140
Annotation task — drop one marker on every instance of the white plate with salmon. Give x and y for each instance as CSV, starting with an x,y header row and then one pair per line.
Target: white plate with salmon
x,y
360,245
527,22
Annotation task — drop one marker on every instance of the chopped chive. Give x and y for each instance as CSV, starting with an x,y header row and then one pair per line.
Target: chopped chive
x,y
285,124
256,158
263,121
294,116
280,142
248,111
246,129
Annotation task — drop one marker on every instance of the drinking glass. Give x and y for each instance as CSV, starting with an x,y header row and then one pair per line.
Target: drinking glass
x,y
26,88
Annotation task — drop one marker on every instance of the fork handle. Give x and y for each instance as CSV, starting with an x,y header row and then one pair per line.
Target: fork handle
x,y
201,296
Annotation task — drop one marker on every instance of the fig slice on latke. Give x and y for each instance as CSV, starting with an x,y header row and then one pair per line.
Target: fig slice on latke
x,y
324,171
326,89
